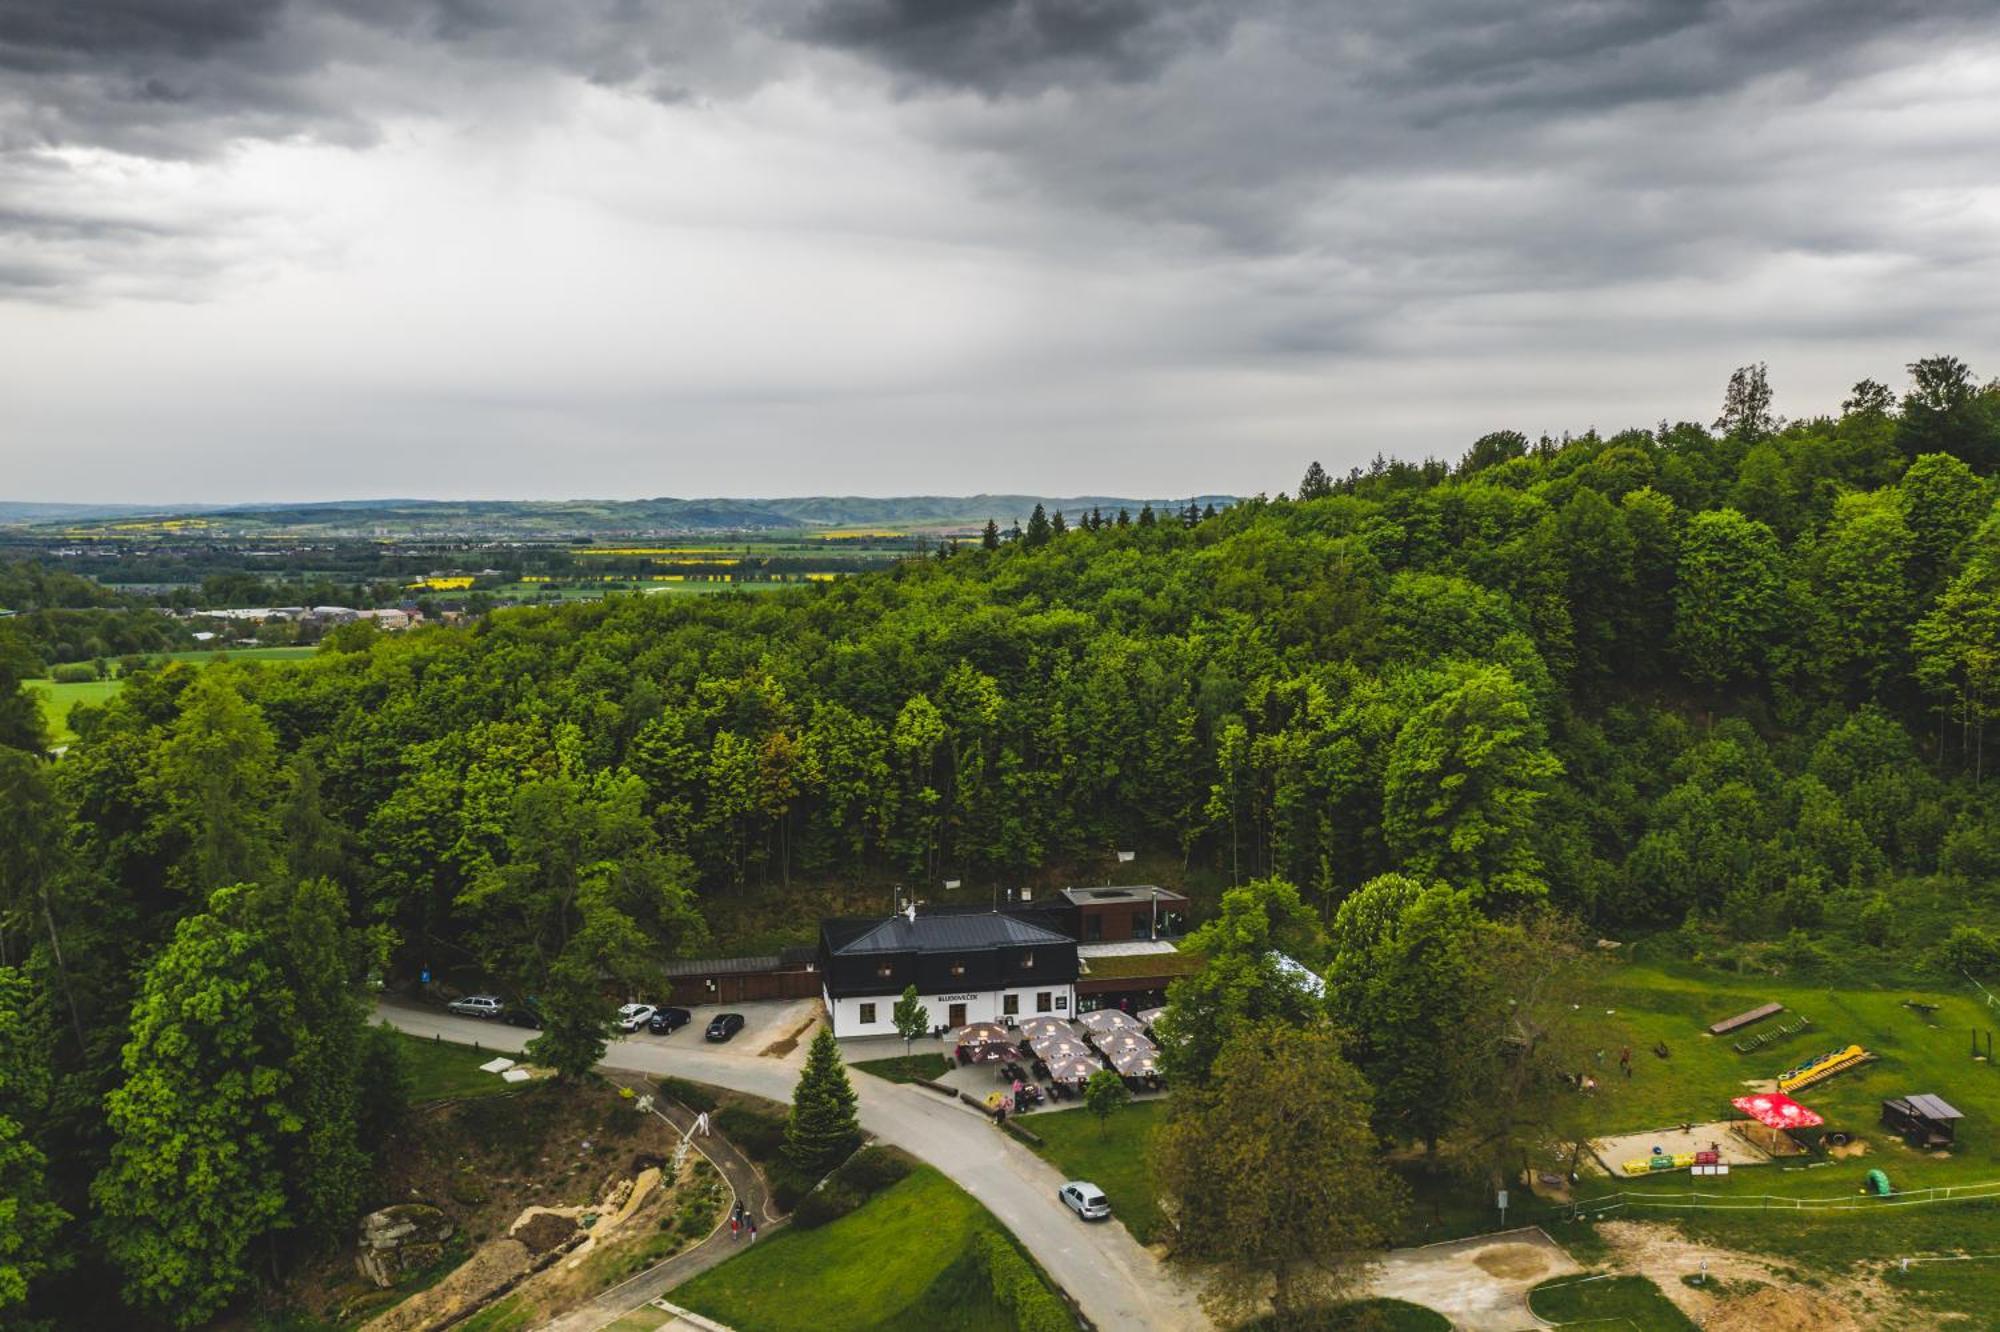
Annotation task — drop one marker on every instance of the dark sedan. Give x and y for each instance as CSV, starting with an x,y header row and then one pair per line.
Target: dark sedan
x,y
724,1026
666,1021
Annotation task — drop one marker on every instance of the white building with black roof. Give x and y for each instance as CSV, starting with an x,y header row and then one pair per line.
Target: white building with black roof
x,y
983,966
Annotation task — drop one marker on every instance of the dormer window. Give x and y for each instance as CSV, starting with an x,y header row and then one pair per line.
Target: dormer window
x,y
1028,961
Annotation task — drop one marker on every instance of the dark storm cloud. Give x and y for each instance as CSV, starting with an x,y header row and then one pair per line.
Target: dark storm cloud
x,y
1014,46
1396,153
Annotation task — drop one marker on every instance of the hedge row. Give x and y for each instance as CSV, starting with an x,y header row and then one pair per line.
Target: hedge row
x,y
1020,1289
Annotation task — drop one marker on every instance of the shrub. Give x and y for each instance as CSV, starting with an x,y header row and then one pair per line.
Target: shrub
x,y
872,1169
74,673
788,1186
1020,1289
1971,950
760,1134
690,1094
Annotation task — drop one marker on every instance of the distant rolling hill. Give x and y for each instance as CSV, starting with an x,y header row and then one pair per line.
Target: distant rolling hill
x,y
584,518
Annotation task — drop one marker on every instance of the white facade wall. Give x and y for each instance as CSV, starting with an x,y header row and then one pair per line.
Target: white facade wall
x,y
980,1006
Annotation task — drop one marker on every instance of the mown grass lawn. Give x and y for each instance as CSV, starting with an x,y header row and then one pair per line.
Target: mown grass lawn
x,y
1113,1156
440,1069
906,1068
1617,1302
904,1261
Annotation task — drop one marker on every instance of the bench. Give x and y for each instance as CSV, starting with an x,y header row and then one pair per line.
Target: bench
x,y
1758,1014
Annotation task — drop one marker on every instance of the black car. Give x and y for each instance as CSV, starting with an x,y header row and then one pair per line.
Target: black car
x,y
724,1026
668,1020
521,1015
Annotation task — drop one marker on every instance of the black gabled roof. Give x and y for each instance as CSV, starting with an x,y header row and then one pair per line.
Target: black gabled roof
x,y
1930,1107
936,934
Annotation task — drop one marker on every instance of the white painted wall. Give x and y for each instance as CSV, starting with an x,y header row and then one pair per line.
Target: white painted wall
x,y
980,1006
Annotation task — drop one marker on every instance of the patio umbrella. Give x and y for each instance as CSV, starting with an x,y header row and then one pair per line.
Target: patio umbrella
x,y
1148,1016
986,1054
1051,1048
1038,1027
1135,1061
1777,1110
1106,1021
994,1100
1125,1040
982,1033
1074,1069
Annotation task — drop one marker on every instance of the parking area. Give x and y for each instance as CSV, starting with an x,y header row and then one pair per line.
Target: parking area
x,y
766,1022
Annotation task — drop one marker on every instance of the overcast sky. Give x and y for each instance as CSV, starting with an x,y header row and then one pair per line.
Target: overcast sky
x,y
291,249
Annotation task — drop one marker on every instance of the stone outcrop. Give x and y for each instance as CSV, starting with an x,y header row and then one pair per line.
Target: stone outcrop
x,y
400,1239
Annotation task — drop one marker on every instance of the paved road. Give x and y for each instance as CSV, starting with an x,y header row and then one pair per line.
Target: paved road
x,y
1120,1285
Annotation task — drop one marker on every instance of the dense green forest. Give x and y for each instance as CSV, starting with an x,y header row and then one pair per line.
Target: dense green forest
x,y
1725,686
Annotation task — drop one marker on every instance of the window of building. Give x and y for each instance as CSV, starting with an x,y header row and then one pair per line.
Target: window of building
x,y
958,968
1010,1005
867,1015
1062,1002
1093,926
885,970
1028,961
1042,1001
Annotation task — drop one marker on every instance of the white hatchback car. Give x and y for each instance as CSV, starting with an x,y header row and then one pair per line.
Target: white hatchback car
x,y
634,1016
1085,1199
478,1005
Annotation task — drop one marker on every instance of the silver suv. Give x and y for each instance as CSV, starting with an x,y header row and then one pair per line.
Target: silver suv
x,y
1086,1200
478,1005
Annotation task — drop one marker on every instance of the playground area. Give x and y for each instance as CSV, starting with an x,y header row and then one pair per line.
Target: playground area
x,y
1725,1137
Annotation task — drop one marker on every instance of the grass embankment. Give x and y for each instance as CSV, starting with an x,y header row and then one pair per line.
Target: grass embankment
x,y
906,1068
1617,1302
440,1070
906,1261
1114,1155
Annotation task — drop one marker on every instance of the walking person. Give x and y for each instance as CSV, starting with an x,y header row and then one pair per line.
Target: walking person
x,y
753,1231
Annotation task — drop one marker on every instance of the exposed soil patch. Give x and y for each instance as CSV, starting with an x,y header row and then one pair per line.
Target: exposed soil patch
x,y
784,1045
1658,1250
1512,1262
1780,1310
1853,1147
485,1161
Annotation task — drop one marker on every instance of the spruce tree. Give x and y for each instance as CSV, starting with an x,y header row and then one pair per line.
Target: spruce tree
x,y
1124,518
1209,512
1146,518
1316,484
990,538
821,1131
1057,526
1038,527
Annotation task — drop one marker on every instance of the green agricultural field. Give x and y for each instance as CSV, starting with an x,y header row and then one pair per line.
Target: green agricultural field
x,y
57,700
903,1262
236,654
1112,1155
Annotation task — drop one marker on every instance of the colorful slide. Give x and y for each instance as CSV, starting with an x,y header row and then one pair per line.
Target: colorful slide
x,y
1821,1067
